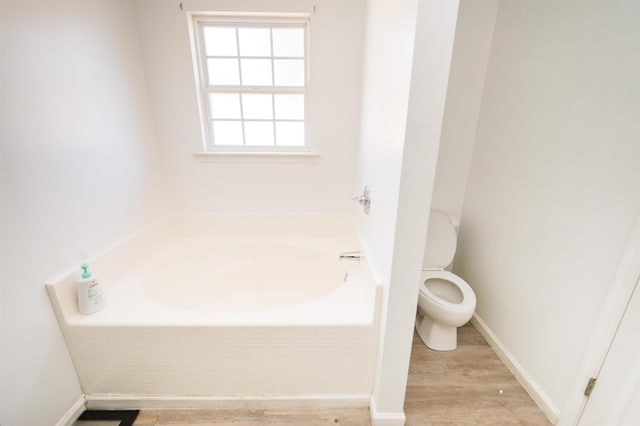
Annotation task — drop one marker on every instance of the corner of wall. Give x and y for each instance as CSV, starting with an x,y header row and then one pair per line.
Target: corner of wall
x,y
528,383
73,412
385,419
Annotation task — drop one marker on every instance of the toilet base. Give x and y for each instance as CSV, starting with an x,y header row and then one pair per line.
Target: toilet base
x,y
436,336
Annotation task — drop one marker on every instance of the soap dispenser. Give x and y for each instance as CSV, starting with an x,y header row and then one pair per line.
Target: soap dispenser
x,y
90,294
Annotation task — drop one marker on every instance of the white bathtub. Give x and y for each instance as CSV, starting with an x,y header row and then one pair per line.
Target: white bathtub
x,y
225,311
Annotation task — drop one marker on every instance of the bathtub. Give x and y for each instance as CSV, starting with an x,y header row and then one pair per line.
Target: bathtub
x,y
227,311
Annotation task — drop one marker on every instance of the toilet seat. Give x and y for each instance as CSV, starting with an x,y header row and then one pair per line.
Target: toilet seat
x,y
468,303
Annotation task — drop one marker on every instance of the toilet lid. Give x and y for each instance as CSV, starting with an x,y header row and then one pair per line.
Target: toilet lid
x,y
441,241
468,296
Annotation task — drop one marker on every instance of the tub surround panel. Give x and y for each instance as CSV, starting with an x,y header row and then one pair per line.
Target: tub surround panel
x,y
115,264
224,361
146,297
267,226
110,267
138,347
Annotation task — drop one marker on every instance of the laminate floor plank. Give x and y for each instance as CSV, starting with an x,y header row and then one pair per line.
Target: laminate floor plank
x,y
468,386
235,417
268,417
318,417
146,418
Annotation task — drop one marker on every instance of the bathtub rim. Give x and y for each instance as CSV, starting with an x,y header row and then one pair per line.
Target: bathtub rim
x,y
120,258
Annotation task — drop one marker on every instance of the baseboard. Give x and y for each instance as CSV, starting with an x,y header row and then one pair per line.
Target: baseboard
x,y
73,413
527,382
385,419
140,402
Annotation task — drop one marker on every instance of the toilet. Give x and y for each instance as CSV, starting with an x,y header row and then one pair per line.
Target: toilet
x,y
446,301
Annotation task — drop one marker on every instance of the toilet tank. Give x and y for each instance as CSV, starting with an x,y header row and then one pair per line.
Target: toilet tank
x,y
442,242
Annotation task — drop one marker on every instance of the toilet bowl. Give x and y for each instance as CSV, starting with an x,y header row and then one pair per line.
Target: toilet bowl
x,y
445,301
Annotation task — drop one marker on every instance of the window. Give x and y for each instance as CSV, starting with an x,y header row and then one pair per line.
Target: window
x,y
253,83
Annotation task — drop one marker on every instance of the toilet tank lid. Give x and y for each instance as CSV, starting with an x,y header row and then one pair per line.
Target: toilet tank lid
x,y
441,241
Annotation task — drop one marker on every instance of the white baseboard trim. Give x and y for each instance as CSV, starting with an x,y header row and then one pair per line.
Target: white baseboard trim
x,y
527,382
130,402
73,413
385,419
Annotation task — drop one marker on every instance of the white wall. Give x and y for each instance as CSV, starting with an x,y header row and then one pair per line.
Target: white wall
x,y
3,218
194,186
79,172
408,47
389,44
553,188
474,33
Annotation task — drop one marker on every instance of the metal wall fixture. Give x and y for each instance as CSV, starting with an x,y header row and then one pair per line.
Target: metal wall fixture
x,y
364,199
350,255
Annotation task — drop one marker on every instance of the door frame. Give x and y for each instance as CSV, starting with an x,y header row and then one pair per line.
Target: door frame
x,y
612,313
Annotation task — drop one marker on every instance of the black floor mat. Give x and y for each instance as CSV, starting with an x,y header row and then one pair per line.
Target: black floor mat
x,y
126,418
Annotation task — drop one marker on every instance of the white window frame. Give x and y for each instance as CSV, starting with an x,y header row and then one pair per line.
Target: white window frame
x,y
204,88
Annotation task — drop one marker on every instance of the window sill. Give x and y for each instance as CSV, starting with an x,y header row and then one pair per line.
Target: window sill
x,y
258,157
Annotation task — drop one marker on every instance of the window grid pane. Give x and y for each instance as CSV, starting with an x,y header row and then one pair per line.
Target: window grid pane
x,y
290,133
289,106
289,72
225,105
223,72
227,132
288,42
256,72
259,133
255,42
266,116
288,68
220,41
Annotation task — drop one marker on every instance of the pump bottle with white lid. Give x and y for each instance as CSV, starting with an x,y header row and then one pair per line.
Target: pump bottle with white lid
x,y
90,294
